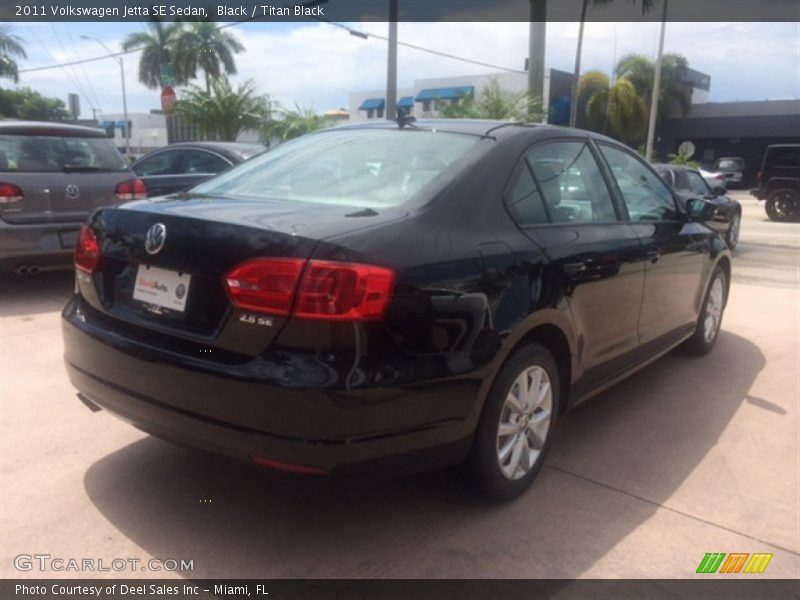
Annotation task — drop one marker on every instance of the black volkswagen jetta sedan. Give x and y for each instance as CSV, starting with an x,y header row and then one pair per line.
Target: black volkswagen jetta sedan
x,y
395,297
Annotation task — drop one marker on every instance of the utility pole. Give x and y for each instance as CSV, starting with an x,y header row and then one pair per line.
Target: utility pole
x,y
124,96
391,67
651,130
536,49
573,101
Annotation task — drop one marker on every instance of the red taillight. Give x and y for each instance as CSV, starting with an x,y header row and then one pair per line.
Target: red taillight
x,y
10,193
133,189
343,291
265,285
87,250
760,176
720,176
326,290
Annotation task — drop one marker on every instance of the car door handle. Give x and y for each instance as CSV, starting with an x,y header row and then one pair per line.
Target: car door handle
x,y
575,268
653,256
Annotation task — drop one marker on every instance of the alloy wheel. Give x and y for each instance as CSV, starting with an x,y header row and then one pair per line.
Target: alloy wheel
x,y
716,299
524,422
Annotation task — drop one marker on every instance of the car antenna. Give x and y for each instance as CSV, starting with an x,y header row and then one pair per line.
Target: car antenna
x,y
404,119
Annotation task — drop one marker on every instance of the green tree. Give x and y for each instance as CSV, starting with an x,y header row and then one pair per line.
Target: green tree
x,y
26,103
292,123
494,102
640,71
681,158
618,110
223,111
203,46
157,47
11,48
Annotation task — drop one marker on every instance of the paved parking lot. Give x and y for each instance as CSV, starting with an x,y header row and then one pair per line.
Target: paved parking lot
x,y
687,457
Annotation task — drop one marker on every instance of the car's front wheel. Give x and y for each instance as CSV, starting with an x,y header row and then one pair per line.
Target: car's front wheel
x,y
708,324
783,205
732,237
516,425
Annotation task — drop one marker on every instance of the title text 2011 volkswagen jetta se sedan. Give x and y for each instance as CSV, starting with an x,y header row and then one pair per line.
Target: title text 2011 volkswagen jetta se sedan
x,y
395,297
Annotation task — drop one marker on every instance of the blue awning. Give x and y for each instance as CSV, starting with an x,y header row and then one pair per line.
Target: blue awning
x,y
449,93
372,104
121,124
105,124
406,102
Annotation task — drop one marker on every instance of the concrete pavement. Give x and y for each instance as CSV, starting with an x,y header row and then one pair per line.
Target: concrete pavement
x,y
688,456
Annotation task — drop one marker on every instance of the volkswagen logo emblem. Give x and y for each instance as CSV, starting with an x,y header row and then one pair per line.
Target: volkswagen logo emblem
x,y
154,238
72,191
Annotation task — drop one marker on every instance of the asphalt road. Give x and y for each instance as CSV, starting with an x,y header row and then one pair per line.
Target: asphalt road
x,y
688,456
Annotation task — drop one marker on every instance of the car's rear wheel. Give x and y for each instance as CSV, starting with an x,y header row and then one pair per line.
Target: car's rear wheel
x,y
516,426
783,205
708,324
732,237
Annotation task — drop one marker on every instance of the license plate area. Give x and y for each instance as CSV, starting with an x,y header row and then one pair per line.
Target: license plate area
x,y
161,291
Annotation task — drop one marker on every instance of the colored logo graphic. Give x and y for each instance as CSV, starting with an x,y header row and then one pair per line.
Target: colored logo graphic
x,y
735,562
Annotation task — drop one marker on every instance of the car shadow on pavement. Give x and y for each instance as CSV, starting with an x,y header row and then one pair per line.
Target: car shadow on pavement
x,y
638,441
34,295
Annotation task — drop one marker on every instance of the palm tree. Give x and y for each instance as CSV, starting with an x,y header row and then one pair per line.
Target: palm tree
x,y
157,47
203,46
222,112
294,123
10,47
495,102
616,110
640,71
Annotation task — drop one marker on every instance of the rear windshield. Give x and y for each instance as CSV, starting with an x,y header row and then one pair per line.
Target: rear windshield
x,y
54,153
784,157
362,168
732,164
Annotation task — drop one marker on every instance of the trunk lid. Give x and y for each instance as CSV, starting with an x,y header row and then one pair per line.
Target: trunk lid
x,y
204,239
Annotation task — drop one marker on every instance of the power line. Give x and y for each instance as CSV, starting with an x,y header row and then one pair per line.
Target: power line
x,y
83,68
350,30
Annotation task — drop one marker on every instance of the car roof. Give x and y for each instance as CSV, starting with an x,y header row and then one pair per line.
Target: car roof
x,y
229,146
49,128
666,166
478,127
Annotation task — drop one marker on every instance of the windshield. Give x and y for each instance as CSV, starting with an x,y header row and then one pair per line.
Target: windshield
x,y
54,153
376,168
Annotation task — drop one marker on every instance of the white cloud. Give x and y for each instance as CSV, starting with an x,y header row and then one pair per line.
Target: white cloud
x,y
318,64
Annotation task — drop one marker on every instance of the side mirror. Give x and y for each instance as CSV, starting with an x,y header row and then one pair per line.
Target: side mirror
x,y
719,190
700,210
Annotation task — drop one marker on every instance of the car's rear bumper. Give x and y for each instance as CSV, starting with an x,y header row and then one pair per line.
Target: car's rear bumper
x,y
47,245
114,377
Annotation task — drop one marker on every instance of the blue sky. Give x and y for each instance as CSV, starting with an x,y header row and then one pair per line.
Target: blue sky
x,y
317,64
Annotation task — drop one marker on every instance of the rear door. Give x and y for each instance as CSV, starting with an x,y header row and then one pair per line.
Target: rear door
x,y
561,200
675,250
161,171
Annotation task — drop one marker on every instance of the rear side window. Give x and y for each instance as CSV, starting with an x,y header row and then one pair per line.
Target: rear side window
x,y
571,183
161,163
198,161
697,184
525,201
784,158
646,196
46,153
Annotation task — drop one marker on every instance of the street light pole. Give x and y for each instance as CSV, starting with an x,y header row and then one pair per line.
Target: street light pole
x,y
651,130
391,67
124,95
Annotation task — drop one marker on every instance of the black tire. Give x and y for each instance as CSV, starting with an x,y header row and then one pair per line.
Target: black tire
x,y
483,464
783,205
732,235
700,342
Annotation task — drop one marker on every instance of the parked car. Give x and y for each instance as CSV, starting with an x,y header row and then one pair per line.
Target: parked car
x,y
688,183
178,167
779,182
307,312
732,169
714,180
52,176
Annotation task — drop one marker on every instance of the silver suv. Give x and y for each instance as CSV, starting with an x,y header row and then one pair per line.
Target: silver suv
x,y
52,176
